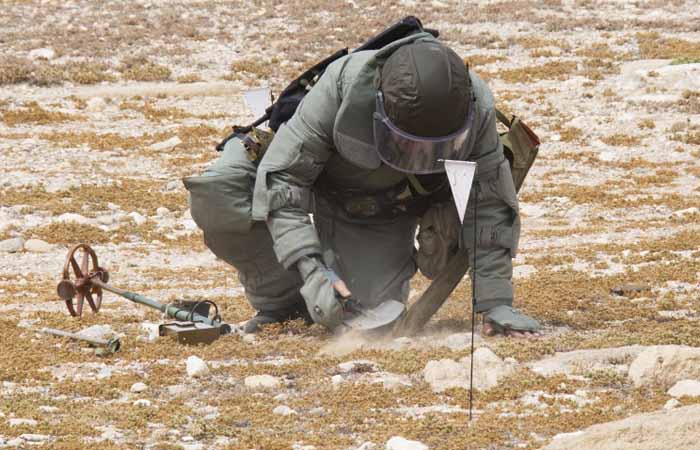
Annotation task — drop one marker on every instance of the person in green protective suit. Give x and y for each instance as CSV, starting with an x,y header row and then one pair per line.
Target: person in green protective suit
x,y
363,155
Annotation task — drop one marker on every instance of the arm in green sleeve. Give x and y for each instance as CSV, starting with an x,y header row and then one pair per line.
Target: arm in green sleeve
x,y
290,166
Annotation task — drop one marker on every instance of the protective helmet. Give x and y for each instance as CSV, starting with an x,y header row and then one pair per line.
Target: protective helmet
x,y
424,108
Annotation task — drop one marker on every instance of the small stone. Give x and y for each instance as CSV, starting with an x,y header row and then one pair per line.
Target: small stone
x,y
187,438
673,403
249,338
151,330
41,53
262,381
142,402
173,185
177,389
138,387
103,332
96,104
35,437
112,206
106,220
162,211
73,217
196,367
167,145
12,245
317,412
336,379
48,409
280,397
283,410
104,373
399,443
303,447
685,388
137,218
367,446
37,246
358,366
22,422
629,289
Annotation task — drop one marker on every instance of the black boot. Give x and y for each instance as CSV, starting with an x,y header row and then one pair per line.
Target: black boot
x,y
298,311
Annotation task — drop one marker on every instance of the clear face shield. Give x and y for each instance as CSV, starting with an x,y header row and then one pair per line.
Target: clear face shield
x,y
417,154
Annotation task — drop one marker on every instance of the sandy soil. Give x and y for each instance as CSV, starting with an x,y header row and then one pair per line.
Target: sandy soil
x,y
87,90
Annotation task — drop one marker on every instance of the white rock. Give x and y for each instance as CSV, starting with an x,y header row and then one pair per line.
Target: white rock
x,y
177,389
458,341
196,367
142,402
104,373
665,365
283,410
48,409
138,387
367,446
672,403
12,245
281,397
73,217
113,206
41,53
137,218
193,446
576,361
104,332
106,220
317,412
360,365
151,330
688,388
303,447
173,185
336,379
489,369
96,104
35,437
37,246
390,380
22,422
399,443
673,429
162,211
167,145
249,338
262,381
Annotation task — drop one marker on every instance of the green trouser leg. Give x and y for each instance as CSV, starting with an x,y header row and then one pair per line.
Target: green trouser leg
x,y
268,286
373,257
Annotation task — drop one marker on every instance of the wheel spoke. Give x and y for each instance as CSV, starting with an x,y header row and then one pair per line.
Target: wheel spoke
x,y
79,300
76,267
97,291
84,265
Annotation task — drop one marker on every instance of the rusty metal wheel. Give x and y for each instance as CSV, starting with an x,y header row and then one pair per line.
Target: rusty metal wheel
x,y
76,286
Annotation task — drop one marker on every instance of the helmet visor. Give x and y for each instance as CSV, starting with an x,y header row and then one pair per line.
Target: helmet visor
x,y
406,152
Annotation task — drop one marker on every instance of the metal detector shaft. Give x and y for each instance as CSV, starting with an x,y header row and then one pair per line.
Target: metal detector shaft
x,y
112,345
169,310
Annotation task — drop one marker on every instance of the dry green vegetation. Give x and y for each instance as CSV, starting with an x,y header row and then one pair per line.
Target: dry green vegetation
x,y
594,217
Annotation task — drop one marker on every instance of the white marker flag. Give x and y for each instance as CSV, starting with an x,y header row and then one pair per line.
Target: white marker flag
x,y
460,175
257,100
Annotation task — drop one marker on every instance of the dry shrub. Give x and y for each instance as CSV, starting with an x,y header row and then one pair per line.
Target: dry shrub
x,y
621,140
646,124
253,66
653,46
555,70
32,112
14,70
69,233
189,78
480,60
140,68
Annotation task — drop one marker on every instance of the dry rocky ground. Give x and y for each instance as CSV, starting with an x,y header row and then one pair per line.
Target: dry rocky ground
x,y
104,106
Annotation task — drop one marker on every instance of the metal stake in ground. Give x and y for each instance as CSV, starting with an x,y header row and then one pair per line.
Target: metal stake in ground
x,y
461,175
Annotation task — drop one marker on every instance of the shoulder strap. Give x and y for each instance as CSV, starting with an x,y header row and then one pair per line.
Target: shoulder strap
x,y
503,119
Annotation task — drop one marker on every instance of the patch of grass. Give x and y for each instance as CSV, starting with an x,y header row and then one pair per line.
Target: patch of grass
x,y
480,60
646,124
679,61
621,140
69,233
189,78
140,68
14,70
653,46
33,113
554,70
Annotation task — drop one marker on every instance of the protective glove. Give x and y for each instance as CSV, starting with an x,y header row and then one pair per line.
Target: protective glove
x,y
323,292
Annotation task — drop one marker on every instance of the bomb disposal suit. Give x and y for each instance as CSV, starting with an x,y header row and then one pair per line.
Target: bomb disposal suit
x,y
363,154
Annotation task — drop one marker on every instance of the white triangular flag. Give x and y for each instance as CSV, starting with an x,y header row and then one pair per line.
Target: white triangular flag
x,y
460,174
257,100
